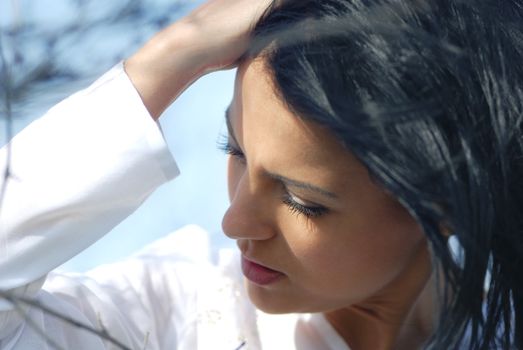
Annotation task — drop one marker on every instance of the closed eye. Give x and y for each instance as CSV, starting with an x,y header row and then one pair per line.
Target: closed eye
x,y
296,206
228,148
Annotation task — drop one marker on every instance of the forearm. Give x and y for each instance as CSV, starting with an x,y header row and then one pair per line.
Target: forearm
x,y
163,68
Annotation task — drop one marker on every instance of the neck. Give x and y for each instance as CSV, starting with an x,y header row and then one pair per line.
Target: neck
x,y
398,317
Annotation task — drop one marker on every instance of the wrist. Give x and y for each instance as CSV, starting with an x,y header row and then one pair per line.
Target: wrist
x,y
163,68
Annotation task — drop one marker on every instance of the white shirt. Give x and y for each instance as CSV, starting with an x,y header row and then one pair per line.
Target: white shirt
x,y
76,173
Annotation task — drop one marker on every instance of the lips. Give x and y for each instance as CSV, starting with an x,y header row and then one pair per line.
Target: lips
x,y
259,274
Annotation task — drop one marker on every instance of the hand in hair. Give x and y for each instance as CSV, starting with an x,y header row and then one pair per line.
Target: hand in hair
x,y
212,37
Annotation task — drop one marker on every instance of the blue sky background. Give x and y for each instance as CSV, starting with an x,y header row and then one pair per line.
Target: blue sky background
x,y
191,127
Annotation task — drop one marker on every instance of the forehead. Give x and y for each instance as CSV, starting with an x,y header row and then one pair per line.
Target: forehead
x,y
265,125
260,117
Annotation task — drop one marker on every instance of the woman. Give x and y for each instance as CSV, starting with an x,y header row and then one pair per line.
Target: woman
x,y
362,136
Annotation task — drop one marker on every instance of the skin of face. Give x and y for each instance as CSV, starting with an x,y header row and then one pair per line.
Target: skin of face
x,y
363,252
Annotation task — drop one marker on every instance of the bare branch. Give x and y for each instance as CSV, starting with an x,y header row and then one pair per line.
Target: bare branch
x,y
50,341
5,77
41,56
16,301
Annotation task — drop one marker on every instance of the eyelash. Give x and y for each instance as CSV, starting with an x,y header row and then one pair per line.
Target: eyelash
x,y
227,148
294,206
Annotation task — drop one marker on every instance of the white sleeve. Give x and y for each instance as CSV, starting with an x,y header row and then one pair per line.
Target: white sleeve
x,y
75,173
149,298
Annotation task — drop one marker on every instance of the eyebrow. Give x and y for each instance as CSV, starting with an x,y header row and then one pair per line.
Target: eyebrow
x,y
304,185
283,179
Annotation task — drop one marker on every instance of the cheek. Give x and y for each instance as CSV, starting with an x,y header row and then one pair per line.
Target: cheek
x,y
344,261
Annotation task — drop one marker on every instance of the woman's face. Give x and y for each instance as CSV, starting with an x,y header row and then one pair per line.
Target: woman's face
x,y
316,234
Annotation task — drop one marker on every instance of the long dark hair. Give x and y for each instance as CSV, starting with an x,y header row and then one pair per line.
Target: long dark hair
x,y
428,94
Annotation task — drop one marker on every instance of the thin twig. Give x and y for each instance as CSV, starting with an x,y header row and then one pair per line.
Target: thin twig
x,y
31,323
6,78
17,300
132,12
241,345
146,340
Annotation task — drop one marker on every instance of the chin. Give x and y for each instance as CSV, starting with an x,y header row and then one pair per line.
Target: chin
x,y
272,308
272,301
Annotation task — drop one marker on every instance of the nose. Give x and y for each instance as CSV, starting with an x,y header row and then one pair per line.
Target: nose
x,y
249,214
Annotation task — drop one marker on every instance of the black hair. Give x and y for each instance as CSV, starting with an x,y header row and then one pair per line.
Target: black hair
x,y
428,94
